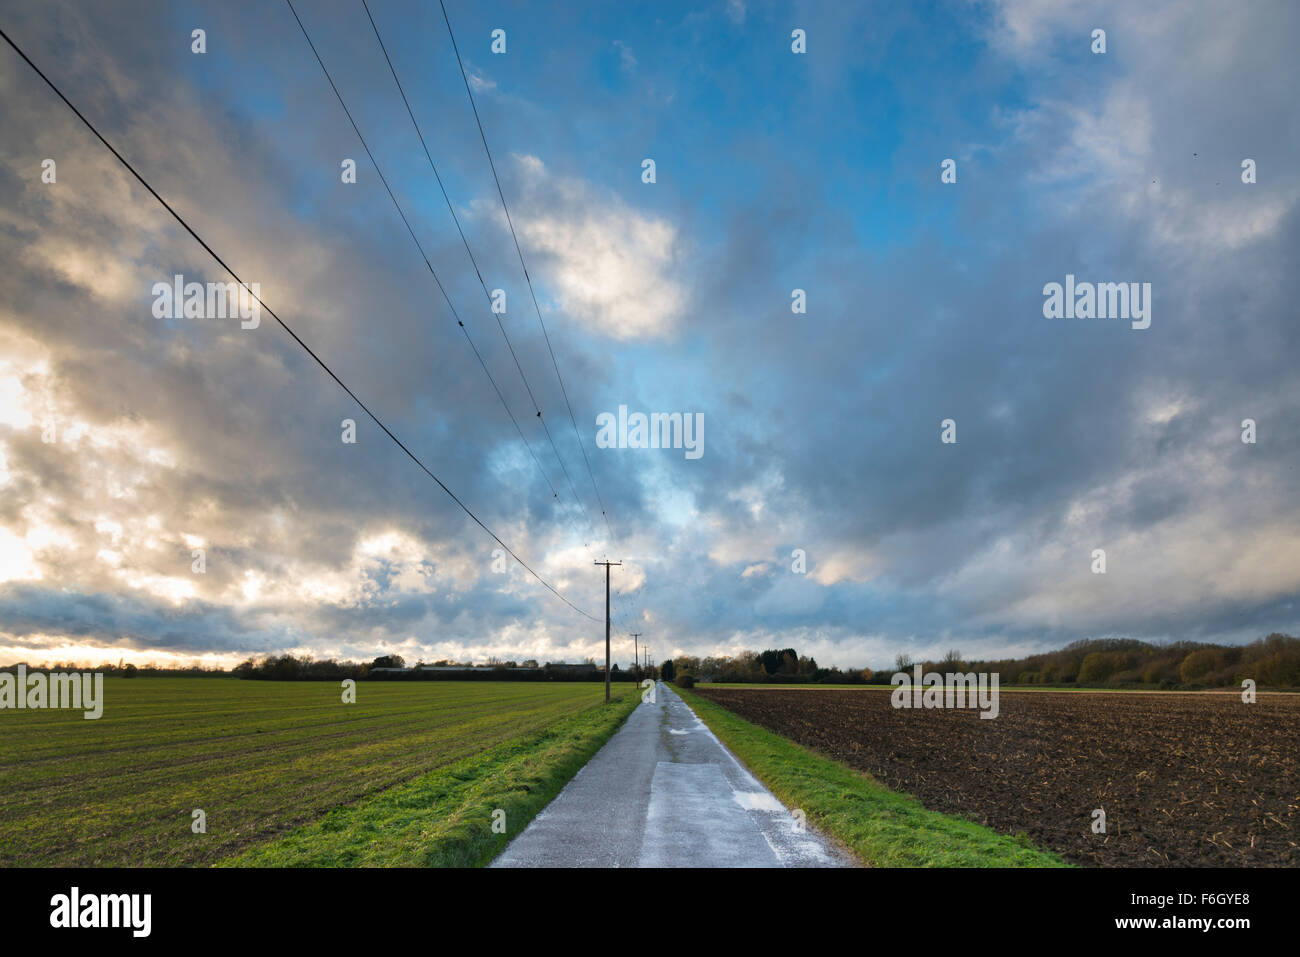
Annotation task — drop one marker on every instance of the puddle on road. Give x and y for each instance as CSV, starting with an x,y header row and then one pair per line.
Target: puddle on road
x,y
758,801
666,733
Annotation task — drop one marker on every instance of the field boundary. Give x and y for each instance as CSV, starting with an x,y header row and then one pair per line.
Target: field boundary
x,y
884,828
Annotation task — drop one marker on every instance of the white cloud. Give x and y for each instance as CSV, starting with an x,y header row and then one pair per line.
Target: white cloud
x,y
846,564
16,560
613,269
1123,132
626,56
480,83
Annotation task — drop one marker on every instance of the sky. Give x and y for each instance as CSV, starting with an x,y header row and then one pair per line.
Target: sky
x,y
826,512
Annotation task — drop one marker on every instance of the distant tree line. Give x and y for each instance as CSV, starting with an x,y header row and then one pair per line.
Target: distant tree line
x,y
1272,662
776,665
393,668
121,669
502,673
293,668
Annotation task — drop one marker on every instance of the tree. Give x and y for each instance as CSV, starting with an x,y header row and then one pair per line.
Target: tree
x,y
784,660
686,663
903,662
666,671
1095,667
388,661
1196,666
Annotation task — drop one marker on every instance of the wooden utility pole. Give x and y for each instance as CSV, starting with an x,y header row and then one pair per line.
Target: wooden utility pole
x,y
607,564
636,674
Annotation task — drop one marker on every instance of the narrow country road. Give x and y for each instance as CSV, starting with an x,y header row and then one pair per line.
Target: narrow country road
x,y
664,792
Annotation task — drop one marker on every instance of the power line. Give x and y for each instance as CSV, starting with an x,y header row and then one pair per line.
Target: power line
x,y
433,272
433,166
392,196
524,267
283,325
473,262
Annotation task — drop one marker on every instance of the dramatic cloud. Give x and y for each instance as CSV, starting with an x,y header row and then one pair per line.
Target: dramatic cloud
x,y
825,512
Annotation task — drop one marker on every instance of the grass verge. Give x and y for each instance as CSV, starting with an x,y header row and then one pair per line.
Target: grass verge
x,y
884,828
444,818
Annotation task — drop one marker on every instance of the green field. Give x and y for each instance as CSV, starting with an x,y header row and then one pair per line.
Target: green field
x,y
288,774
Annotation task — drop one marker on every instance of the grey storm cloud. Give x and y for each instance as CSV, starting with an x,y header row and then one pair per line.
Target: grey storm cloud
x,y
822,430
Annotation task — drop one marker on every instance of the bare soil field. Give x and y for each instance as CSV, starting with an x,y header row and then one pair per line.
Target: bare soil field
x,y
1184,779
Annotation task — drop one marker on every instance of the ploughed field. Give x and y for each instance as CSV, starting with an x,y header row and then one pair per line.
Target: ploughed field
x,y
1184,779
